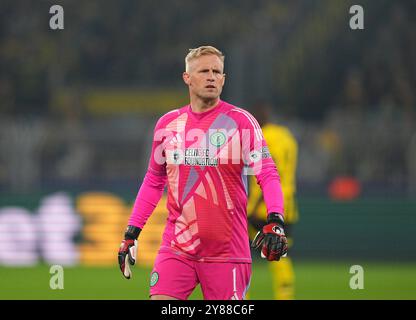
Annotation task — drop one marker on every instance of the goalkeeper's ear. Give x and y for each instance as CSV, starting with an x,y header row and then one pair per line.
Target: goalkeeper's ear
x,y
186,78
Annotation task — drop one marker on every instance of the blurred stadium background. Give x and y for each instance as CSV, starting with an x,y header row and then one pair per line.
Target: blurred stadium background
x,y
77,109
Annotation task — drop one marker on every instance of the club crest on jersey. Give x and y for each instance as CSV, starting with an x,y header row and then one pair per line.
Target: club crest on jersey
x,y
218,139
154,278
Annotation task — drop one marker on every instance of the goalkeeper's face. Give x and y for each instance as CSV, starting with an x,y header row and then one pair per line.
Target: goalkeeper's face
x,y
205,77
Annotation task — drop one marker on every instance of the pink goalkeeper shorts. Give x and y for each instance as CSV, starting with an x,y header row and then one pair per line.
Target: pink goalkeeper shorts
x,y
177,276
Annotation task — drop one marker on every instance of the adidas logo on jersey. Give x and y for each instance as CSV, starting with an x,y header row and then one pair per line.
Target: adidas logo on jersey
x,y
176,139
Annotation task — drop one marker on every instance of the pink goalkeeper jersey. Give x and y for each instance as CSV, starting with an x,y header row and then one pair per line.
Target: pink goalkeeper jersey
x,y
205,158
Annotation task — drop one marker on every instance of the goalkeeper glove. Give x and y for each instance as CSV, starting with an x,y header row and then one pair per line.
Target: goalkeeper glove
x,y
271,238
128,250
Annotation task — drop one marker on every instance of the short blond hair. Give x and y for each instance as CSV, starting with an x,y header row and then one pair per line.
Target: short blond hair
x,y
202,51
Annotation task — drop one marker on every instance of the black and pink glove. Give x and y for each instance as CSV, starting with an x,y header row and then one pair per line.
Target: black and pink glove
x,y
128,251
271,238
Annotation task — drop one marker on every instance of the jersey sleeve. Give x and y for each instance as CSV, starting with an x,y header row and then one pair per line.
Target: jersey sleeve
x,y
258,162
154,181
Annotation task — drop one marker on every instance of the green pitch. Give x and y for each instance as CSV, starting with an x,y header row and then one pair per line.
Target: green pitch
x,y
328,280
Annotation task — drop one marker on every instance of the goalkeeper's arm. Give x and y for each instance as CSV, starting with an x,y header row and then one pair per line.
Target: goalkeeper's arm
x,y
147,199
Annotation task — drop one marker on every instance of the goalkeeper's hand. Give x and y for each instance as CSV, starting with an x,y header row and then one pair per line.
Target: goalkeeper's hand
x,y
271,238
128,251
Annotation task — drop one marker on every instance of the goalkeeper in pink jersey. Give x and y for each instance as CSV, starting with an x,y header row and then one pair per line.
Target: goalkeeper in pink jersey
x,y
204,152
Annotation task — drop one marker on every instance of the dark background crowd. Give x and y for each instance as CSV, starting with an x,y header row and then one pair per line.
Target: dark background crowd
x,y
77,106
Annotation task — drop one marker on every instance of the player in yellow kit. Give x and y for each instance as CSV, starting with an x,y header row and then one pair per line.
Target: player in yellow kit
x,y
284,151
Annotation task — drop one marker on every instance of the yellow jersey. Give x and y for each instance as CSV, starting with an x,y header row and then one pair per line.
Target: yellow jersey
x,y
284,151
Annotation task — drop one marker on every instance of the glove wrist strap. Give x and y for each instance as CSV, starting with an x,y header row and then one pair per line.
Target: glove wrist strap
x,y
277,218
132,232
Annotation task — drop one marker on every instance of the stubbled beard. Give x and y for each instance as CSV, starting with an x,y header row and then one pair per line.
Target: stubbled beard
x,y
207,100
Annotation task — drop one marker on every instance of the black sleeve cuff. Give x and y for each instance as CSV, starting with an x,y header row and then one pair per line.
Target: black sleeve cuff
x,y
132,232
275,217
